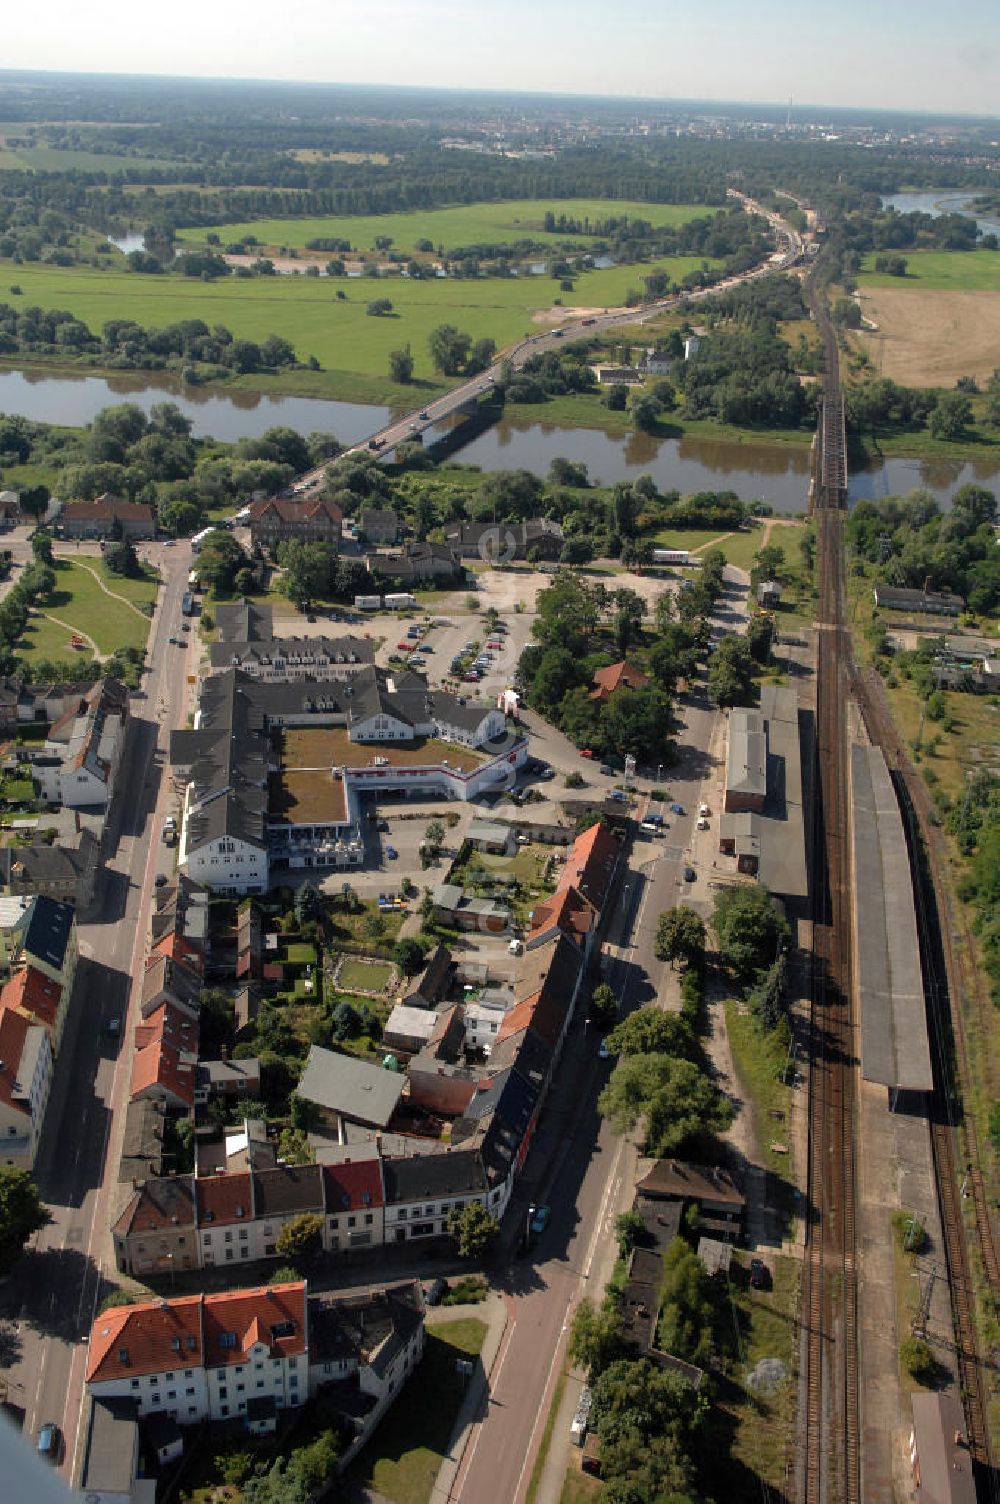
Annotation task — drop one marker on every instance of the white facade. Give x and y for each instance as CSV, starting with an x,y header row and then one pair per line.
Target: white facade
x,y
180,1392
425,1219
383,727
239,1243
226,863
21,1119
363,1227
193,1394
482,1025
492,725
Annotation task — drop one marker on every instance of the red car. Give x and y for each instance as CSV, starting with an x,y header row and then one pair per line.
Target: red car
x,y
586,752
406,647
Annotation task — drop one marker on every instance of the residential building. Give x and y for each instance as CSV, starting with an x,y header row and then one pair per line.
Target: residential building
x,y
279,660
280,1194
310,519
427,989
502,543
407,1029
567,913
201,1357
78,764
166,1057
719,1205
379,526
591,865
142,1144
107,516
25,1080
155,1234
244,621
228,1079
45,938
422,1190
616,676
225,1218
355,1203
453,907
415,563
170,980
40,1000
67,872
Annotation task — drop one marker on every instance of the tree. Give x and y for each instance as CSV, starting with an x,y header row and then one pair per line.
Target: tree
x,y
749,929
687,1309
651,1031
41,546
34,500
679,1103
630,1231
121,558
473,1229
21,1214
951,416
616,397
646,412
449,349
760,632
595,1338
401,365
301,1238
378,308
680,935
730,673
408,955
604,1004
285,1274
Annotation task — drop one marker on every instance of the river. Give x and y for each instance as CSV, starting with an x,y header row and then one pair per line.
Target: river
x,y
939,201
754,469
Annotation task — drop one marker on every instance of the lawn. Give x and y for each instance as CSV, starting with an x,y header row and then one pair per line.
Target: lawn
x,y
300,953
941,271
306,310
79,602
465,224
59,159
403,1459
759,1059
764,1426
359,975
357,928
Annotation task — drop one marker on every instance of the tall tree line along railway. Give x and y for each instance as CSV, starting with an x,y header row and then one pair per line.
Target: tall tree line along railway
x,y
831,1465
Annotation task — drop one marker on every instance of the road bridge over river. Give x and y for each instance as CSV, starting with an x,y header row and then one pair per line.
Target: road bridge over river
x,y
412,426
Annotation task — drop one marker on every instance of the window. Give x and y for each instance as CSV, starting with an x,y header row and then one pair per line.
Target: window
x,y
169,1377
171,1394
352,1221
369,1219
229,1253
244,1234
333,1224
135,1383
229,1237
223,1409
189,1389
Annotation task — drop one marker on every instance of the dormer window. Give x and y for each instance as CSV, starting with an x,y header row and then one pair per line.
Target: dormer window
x,y
123,1355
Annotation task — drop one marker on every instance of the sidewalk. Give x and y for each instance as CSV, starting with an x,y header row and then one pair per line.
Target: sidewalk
x,y
498,1310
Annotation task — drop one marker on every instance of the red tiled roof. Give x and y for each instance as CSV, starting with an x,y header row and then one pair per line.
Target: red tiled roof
x,y
107,507
591,864
172,1025
616,676
348,1185
34,994
154,1337
539,1012
166,1053
224,1199
179,948
566,910
13,1032
272,1314
295,511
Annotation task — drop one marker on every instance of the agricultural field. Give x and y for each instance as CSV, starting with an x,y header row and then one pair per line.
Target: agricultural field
x,y
59,159
464,224
939,322
939,271
305,310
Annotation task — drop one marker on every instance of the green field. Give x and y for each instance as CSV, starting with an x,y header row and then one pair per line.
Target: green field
x,y
306,311
465,224
59,159
940,271
80,605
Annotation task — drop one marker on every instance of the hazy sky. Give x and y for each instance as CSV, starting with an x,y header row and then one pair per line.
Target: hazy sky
x,y
920,54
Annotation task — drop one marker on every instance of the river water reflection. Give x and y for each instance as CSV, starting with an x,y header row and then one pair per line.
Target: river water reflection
x,y
756,471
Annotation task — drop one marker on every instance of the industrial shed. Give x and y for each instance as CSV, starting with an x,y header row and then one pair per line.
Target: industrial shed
x,y
888,981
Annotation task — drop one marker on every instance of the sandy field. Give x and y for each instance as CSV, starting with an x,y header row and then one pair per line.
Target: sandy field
x,y
932,338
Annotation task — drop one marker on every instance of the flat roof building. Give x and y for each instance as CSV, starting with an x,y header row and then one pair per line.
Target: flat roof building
x,y
763,823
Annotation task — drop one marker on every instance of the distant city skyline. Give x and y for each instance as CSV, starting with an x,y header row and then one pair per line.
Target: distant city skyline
x,y
894,55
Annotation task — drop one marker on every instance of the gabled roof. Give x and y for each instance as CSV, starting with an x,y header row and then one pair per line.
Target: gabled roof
x,y
34,994
353,1185
170,977
14,1029
106,508
158,1204
46,929
244,621
273,1314
617,676
591,864
567,911
296,512
540,1012
174,946
288,1189
427,1177
339,1083
153,1337
224,1200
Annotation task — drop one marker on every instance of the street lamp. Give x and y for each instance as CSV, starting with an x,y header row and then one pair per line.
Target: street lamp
x,y
659,770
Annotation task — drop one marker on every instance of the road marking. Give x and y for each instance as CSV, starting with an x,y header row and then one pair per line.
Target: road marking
x,y
469,1452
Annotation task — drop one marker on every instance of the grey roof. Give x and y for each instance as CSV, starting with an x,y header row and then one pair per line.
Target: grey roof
x,y
244,621
780,827
142,1147
942,1447
495,832
895,598
430,985
746,760
369,1328
295,650
112,1447
228,757
288,1189
409,1022
351,1087
47,926
42,863
894,1045
428,1177
220,1073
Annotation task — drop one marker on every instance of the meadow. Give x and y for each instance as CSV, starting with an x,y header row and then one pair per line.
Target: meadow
x,y
939,271
464,224
306,310
108,617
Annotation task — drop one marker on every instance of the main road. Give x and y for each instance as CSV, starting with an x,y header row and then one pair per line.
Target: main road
x,y
51,1297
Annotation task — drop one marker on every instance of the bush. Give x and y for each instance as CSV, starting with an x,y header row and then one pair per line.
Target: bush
x,y
910,1232
918,1359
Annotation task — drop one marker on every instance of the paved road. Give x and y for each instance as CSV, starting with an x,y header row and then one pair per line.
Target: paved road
x,y
54,1291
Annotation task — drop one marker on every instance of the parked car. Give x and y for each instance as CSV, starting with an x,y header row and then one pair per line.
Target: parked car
x,y
546,774
607,770
689,874
702,824
49,1443
677,809
471,677
760,1275
618,796
603,1053
586,752
391,853
540,1216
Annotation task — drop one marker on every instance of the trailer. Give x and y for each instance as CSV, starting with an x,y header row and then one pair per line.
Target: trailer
x,y
367,603
671,556
187,604
400,602
199,538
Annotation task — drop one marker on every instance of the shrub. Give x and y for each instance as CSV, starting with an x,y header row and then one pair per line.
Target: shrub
x,y
918,1359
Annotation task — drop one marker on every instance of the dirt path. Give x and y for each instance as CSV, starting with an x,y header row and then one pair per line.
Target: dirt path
x,y
73,632
113,593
